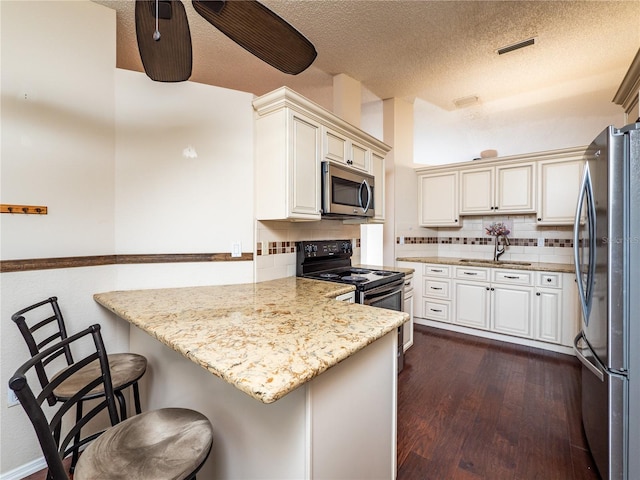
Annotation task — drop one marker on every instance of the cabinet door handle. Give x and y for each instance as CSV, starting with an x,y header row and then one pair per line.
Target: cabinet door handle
x,y
349,162
512,277
470,273
549,280
434,270
435,310
435,288
538,294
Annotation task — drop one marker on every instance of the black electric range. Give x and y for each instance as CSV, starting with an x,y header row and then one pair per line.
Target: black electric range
x,y
331,260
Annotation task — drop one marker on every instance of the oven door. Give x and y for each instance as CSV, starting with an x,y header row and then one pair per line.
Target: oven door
x,y
389,296
346,192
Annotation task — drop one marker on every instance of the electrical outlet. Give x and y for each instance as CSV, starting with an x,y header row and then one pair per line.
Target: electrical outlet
x,y
12,400
236,249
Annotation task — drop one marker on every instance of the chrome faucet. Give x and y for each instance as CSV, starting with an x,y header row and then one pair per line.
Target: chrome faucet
x,y
497,251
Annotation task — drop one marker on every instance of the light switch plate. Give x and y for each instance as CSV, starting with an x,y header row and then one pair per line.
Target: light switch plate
x,y
236,249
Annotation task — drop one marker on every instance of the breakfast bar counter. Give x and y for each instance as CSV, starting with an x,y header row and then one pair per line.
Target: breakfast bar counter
x,y
323,372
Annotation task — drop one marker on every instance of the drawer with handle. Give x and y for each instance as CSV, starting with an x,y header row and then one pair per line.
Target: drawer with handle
x,y
437,270
437,310
513,277
436,288
471,273
548,280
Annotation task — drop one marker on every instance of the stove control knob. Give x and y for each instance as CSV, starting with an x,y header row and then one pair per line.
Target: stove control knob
x,y
308,249
346,247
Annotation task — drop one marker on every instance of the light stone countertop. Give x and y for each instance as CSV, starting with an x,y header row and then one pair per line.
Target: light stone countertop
x,y
264,338
534,266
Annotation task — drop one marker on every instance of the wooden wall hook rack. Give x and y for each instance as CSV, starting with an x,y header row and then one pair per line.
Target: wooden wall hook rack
x,y
23,209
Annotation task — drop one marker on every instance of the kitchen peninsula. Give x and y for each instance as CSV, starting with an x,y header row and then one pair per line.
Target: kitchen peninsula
x,y
303,386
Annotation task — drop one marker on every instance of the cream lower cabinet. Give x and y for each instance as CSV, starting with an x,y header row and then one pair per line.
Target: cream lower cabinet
x,y
497,300
472,304
407,327
541,306
437,292
499,308
556,308
512,310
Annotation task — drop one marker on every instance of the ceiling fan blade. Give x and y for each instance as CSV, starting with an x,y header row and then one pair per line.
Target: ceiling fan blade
x,y
260,31
168,59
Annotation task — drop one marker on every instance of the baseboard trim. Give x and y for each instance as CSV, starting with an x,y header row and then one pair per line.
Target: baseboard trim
x,y
495,336
25,470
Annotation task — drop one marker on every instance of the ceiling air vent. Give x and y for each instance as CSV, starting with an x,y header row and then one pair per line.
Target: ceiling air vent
x,y
466,101
516,46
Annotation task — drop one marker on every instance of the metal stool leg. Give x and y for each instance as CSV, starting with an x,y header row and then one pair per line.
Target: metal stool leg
x,y
136,397
123,405
76,439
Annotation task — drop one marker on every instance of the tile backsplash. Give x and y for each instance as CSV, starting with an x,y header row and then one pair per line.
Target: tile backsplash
x,y
528,241
276,242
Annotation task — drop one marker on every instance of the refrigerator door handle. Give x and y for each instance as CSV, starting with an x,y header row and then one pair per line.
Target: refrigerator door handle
x,y
592,367
586,191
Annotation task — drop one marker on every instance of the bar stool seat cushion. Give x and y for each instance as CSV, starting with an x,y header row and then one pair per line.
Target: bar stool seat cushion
x,y
125,368
165,444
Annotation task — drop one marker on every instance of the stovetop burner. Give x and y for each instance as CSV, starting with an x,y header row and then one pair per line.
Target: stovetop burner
x,y
354,278
383,273
328,275
360,270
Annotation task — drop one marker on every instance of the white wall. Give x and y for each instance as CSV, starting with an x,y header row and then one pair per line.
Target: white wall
x,y
564,116
167,202
57,150
109,190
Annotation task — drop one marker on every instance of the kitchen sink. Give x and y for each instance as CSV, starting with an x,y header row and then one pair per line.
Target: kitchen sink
x,y
494,262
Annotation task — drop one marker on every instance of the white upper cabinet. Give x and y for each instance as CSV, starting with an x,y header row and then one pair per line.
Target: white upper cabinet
x,y
476,191
545,183
500,189
378,171
293,137
288,174
558,191
347,151
438,200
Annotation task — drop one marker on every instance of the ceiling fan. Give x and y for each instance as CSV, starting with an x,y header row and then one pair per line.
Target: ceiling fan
x,y
164,38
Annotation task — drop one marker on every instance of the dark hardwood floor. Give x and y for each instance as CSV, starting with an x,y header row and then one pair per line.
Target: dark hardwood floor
x,y
477,409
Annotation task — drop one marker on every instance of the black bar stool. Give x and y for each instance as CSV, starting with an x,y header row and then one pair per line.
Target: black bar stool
x,y
44,320
171,443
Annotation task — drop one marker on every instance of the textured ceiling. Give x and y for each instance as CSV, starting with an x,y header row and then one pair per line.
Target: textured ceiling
x,y
437,51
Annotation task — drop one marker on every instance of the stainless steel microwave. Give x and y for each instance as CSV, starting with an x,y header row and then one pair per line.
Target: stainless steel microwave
x,y
346,192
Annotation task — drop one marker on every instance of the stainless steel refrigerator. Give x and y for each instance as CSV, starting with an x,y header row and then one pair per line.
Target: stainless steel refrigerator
x,y
607,257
